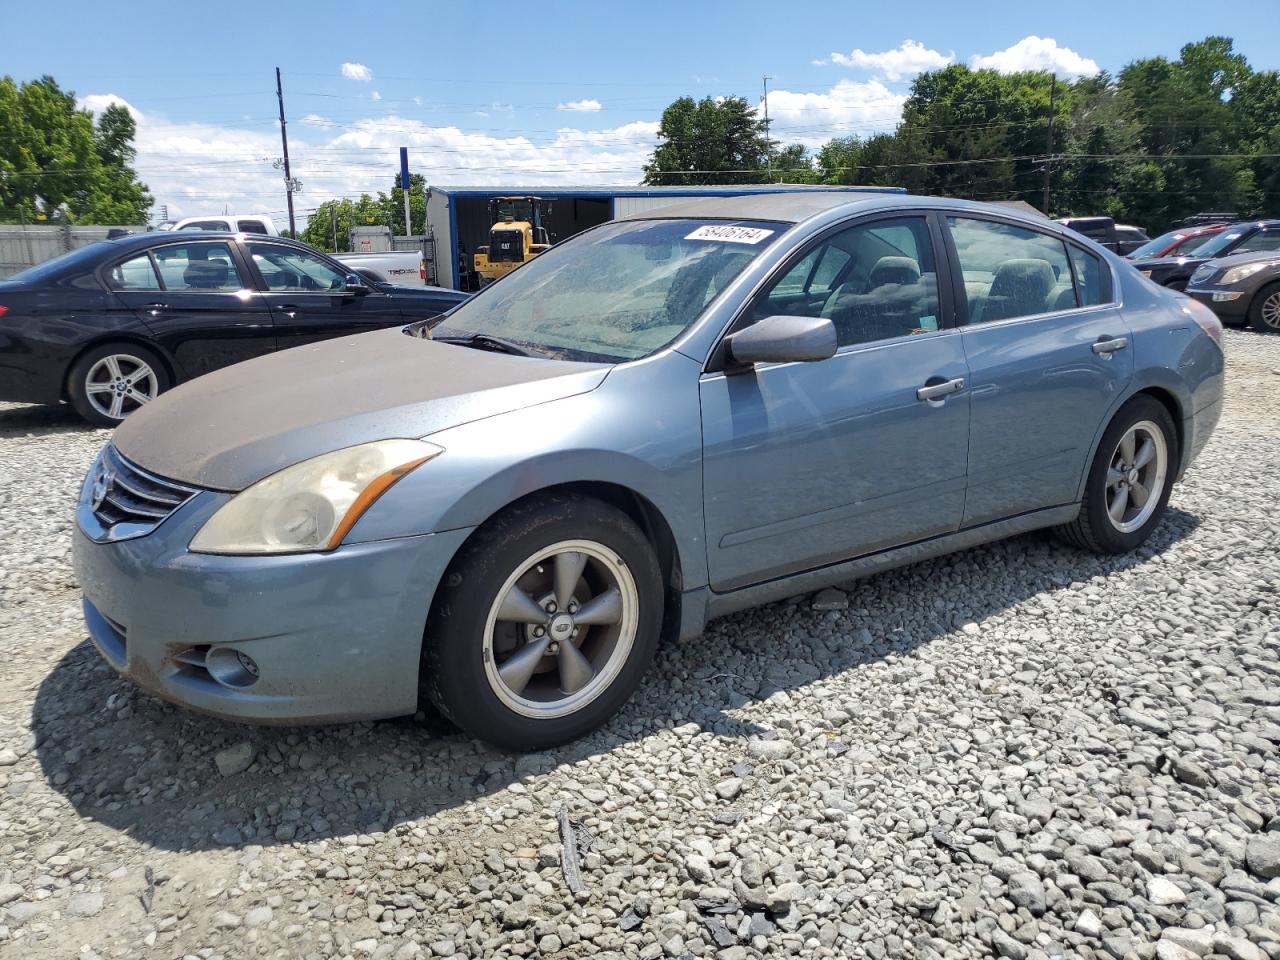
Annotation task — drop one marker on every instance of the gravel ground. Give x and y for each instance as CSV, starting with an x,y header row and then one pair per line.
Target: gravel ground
x,y
1021,750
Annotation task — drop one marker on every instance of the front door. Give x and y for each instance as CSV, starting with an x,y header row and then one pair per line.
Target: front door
x,y
307,296
807,464
1048,352
194,298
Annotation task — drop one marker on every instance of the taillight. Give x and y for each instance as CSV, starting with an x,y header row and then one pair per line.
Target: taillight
x,y
1207,320
3,310
422,271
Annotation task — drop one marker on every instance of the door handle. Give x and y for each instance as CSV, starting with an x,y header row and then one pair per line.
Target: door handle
x,y
938,391
155,309
288,309
1106,347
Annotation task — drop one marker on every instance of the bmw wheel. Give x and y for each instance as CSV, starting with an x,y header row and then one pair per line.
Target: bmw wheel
x,y
1129,481
545,623
113,380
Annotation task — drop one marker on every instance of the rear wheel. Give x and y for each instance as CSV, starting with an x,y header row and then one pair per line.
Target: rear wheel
x,y
113,380
1264,311
1129,481
545,623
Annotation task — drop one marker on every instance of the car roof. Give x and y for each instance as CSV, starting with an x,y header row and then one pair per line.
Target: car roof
x,y
143,240
804,205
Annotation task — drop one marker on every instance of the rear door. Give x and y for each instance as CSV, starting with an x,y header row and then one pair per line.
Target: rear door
x,y
195,298
1048,352
807,464
307,297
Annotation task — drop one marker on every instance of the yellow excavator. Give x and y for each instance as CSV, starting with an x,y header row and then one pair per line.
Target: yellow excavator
x,y
517,235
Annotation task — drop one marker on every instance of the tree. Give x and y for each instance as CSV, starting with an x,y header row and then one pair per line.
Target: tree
x,y
346,214
713,140
55,161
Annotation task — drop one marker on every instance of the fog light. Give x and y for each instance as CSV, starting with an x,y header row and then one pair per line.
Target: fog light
x,y
231,668
1220,297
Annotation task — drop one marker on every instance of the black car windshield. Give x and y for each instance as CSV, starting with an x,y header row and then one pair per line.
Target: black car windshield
x,y
1219,243
85,257
620,292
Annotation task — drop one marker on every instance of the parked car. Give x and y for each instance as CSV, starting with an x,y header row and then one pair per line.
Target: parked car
x,y
1119,237
1175,272
231,223
1242,288
392,266
110,326
1182,242
664,419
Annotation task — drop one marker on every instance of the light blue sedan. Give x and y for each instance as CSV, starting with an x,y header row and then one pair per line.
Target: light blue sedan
x,y
663,420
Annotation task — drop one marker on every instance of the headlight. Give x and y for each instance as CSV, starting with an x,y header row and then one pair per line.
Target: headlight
x,y
1236,274
311,505
1203,273
1145,273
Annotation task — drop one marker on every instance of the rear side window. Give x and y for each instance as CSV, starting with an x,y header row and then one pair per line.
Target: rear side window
x,y
216,225
1088,269
251,226
135,274
1011,271
198,267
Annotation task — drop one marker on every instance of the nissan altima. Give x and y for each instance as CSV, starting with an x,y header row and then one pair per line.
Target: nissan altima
x,y
665,419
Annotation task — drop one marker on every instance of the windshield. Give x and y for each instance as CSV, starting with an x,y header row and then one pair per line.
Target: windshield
x,y
619,292
1153,248
1218,243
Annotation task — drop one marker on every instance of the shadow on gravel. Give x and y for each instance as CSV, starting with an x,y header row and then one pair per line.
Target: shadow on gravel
x,y
136,764
15,419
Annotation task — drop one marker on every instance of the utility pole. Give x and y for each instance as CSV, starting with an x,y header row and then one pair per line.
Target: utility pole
x,y
333,224
284,144
768,144
1048,160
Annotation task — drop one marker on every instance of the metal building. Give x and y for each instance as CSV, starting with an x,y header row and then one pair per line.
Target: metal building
x,y
458,217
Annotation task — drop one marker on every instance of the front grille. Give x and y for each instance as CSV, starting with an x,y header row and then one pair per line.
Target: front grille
x,y
122,493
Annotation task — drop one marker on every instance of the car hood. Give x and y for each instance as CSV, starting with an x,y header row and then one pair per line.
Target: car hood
x,y
1254,256
231,428
1168,263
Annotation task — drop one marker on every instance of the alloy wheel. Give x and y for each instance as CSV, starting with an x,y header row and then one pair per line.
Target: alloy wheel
x,y
1270,311
120,383
560,629
1136,476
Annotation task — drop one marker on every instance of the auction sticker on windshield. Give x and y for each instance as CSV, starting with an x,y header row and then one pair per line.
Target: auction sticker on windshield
x,y
730,234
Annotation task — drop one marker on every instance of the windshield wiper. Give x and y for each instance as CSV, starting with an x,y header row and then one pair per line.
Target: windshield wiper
x,y
487,341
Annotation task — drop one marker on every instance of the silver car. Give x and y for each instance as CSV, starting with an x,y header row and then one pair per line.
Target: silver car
x,y
665,419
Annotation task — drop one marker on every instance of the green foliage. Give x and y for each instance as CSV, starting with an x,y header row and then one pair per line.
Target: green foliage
x,y
387,209
55,162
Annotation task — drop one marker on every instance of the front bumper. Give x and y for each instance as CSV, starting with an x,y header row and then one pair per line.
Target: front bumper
x,y
334,636
1237,309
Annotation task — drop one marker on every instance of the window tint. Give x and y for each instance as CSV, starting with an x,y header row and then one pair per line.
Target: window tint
x,y
1010,271
1088,276
285,268
198,266
207,225
1262,240
250,226
135,274
873,281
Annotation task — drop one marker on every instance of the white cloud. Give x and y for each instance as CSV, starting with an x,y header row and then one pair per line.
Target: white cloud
x,y
1037,53
580,106
375,96
357,71
903,61
847,108
198,168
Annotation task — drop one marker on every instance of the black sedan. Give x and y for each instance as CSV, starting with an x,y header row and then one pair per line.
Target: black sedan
x,y
1243,288
1251,237
111,325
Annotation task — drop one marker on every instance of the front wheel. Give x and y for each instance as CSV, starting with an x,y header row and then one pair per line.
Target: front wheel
x,y
545,623
1264,312
1129,481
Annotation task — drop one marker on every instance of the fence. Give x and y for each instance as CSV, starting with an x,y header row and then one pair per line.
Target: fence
x,y
25,246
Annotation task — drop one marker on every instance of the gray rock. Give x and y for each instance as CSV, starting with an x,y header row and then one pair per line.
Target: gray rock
x,y
85,905
224,920
1026,890
728,789
1237,948
235,759
1263,854
830,599
698,869
9,892
1164,892
258,917
1197,941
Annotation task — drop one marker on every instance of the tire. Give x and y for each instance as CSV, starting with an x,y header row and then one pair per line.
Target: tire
x,y
1264,311
96,381
1095,528
471,670
1179,285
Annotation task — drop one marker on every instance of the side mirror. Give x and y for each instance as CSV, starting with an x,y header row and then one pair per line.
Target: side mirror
x,y
784,339
355,285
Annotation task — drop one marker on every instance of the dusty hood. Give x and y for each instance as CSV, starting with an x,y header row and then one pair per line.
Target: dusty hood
x,y
231,428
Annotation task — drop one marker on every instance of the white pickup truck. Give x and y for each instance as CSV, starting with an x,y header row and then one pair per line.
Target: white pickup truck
x,y
404,267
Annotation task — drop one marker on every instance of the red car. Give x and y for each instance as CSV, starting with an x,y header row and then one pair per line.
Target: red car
x,y
1176,243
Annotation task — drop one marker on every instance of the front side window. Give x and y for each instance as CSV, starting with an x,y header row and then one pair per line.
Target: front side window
x,y
287,269
873,281
1010,271
203,267
135,274
618,292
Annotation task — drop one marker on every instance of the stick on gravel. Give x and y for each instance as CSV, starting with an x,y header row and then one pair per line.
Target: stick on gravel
x,y
569,861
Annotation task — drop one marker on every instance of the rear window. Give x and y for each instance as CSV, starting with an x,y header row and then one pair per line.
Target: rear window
x,y
77,261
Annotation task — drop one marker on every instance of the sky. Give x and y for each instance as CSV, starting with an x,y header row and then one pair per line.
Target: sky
x,y
532,94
